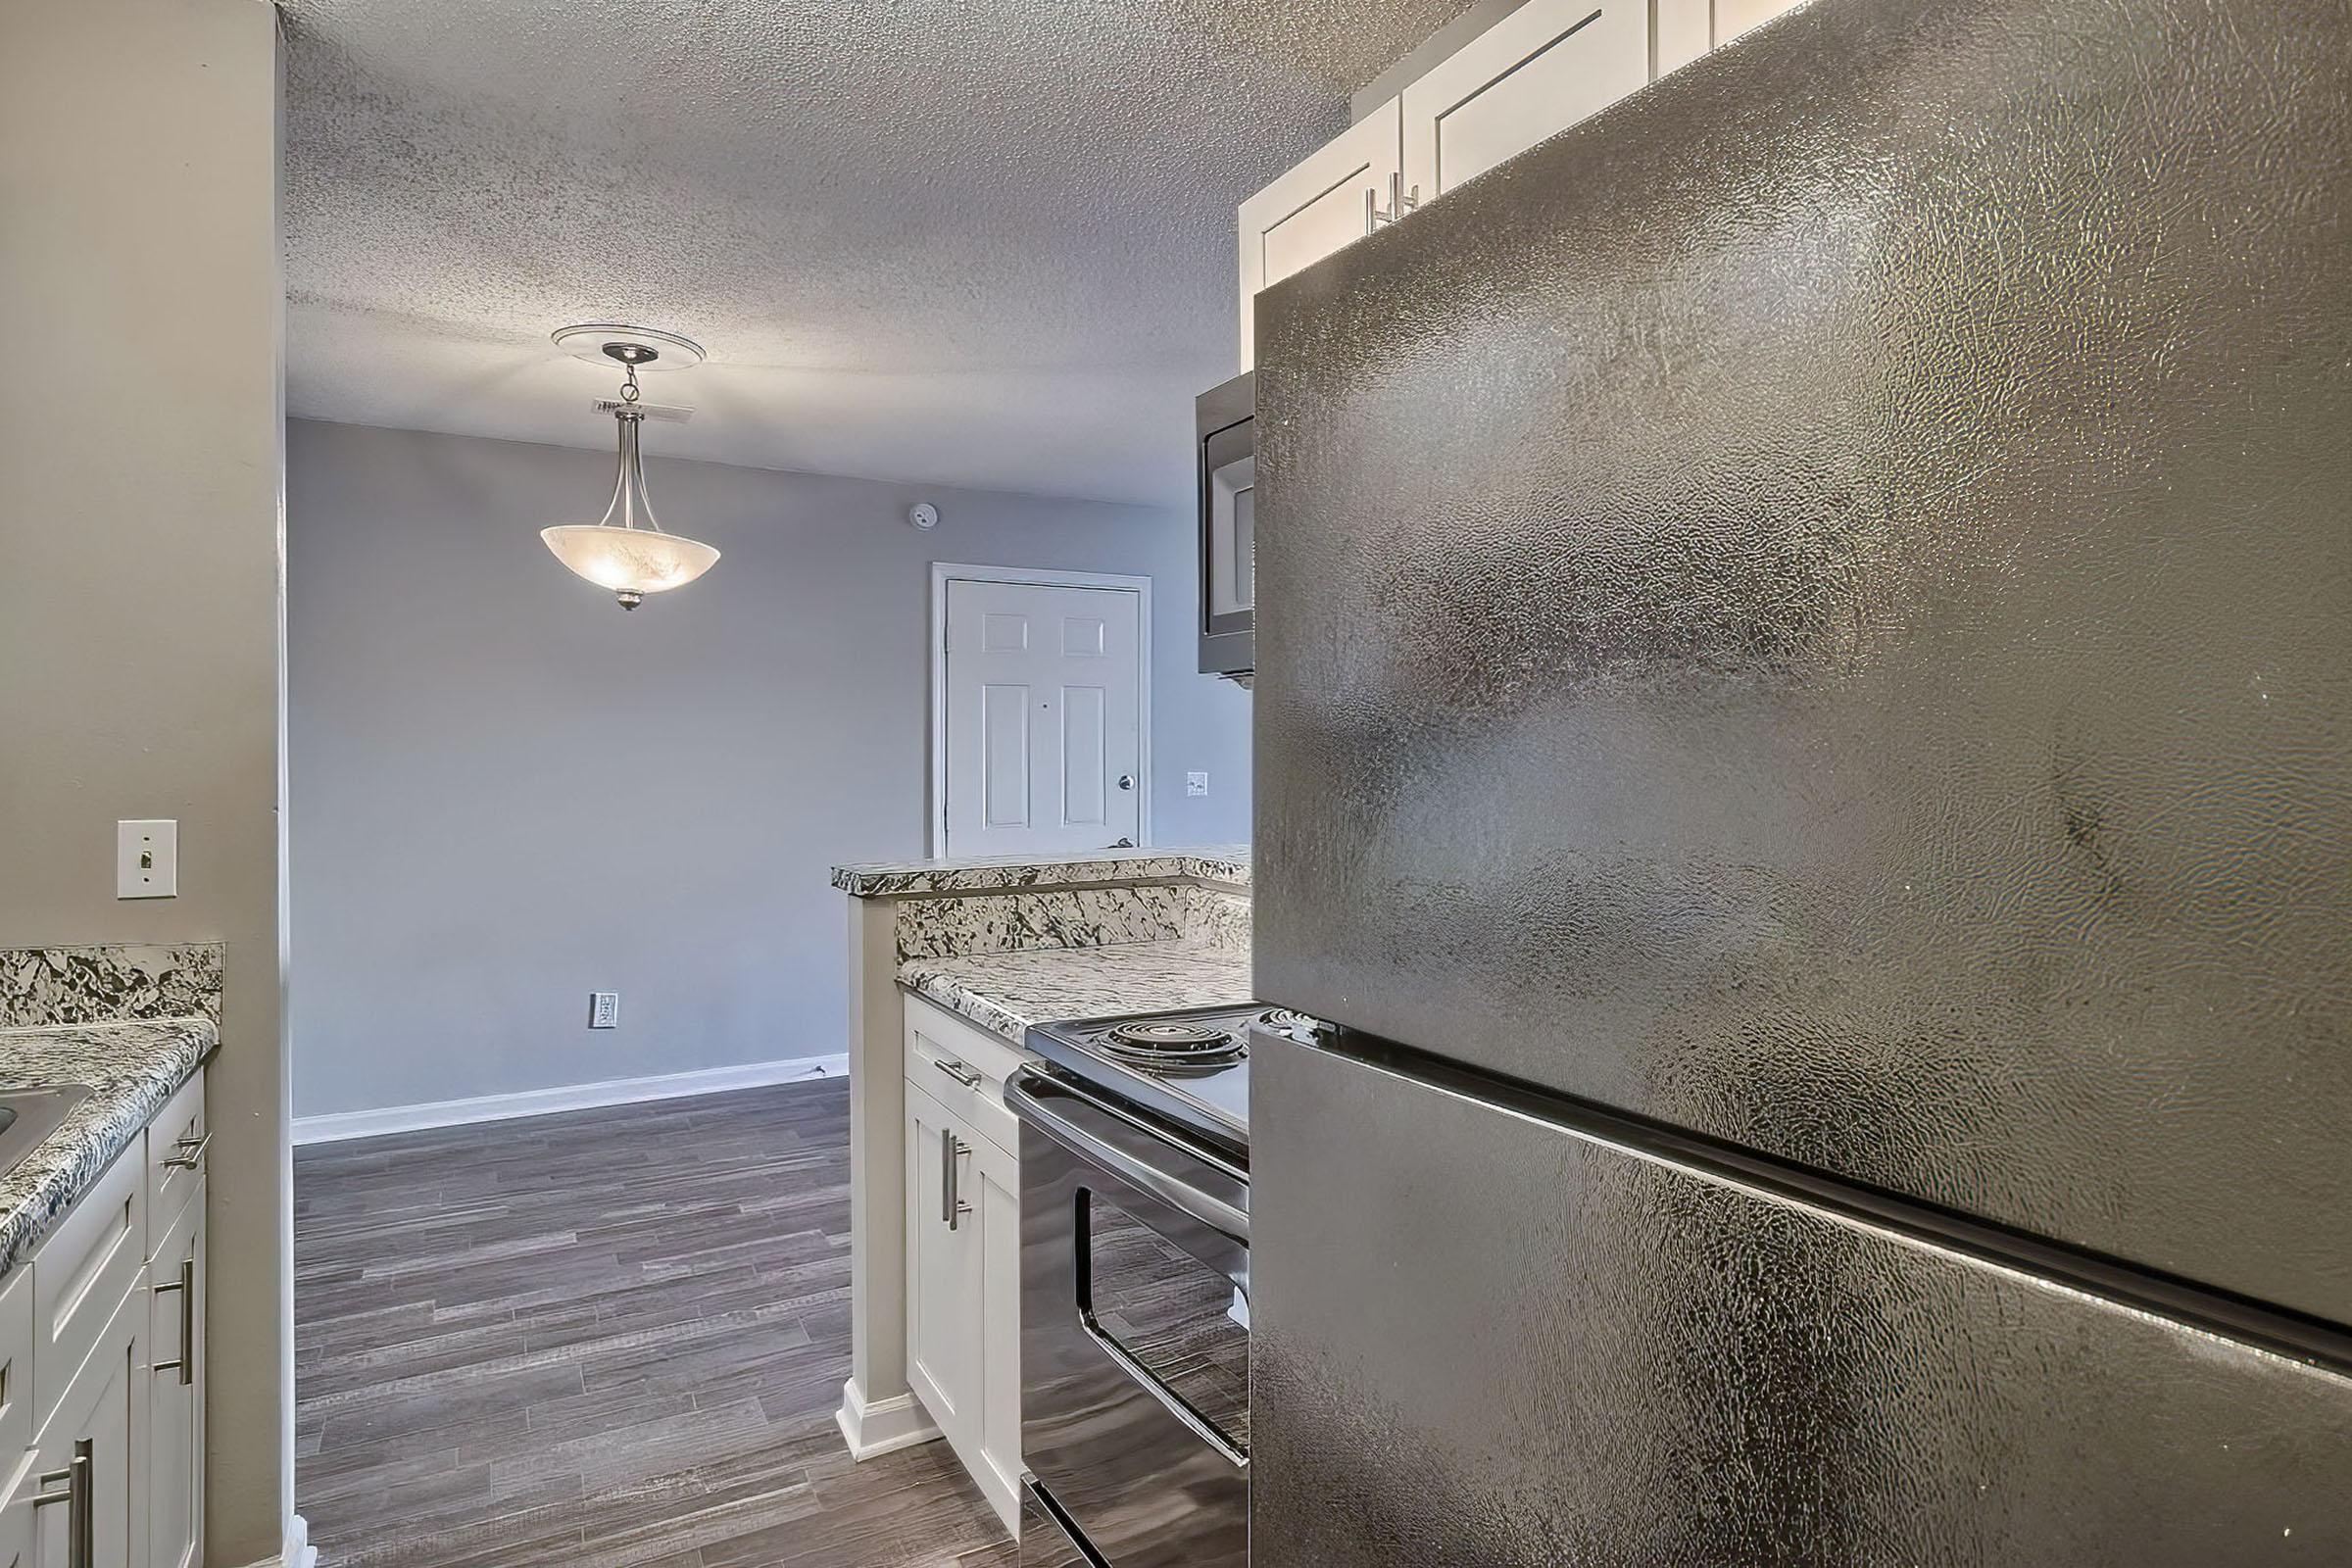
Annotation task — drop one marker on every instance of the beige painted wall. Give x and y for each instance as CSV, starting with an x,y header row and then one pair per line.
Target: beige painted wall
x,y
140,600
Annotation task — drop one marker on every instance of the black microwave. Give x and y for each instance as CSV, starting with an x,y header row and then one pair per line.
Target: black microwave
x,y
1226,444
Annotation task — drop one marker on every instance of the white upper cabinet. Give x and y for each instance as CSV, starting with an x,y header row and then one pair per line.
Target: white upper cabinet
x,y
1538,70
1689,28
1317,208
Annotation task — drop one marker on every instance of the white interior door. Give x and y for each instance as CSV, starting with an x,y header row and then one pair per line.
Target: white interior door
x,y
1042,699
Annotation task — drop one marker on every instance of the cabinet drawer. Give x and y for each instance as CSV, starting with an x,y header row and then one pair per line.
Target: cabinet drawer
x,y
177,1133
17,1424
944,1051
82,1272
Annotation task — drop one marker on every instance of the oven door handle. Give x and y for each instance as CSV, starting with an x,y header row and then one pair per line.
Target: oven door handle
x,y
1021,1094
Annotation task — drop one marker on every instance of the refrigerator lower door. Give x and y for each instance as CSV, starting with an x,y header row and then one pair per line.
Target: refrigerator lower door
x,y
1484,1336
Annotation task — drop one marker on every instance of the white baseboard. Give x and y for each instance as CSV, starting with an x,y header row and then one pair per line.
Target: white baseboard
x,y
339,1125
881,1426
297,1550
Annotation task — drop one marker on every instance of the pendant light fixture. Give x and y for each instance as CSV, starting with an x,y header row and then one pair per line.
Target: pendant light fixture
x,y
628,552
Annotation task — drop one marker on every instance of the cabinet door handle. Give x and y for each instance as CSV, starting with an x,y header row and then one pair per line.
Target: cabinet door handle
x,y
80,1498
1401,202
966,1076
185,1285
191,1150
952,1206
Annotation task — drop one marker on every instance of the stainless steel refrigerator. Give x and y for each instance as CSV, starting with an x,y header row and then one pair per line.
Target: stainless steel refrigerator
x,y
1805,736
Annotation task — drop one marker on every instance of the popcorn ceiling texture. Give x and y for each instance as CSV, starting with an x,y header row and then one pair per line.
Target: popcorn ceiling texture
x,y
989,244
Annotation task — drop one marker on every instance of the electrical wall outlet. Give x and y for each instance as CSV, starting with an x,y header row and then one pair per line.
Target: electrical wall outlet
x,y
147,859
604,1010
1195,783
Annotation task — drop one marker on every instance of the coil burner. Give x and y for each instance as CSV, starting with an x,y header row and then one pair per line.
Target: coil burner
x,y
1289,1022
1169,1046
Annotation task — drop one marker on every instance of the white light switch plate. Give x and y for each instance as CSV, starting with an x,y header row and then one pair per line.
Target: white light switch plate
x,y
147,859
604,1010
1195,783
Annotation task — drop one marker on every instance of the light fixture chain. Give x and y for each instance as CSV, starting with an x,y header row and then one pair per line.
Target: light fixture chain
x,y
628,385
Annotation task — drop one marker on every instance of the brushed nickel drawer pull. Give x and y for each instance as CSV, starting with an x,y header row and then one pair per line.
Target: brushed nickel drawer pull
x,y
80,1498
951,1206
967,1076
191,1150
185,1285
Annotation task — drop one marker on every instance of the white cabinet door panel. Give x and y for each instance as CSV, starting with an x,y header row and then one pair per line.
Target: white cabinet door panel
x,y
1689,28
1541,69
1314,209
176,1392
942,1273
996,1201
105,1406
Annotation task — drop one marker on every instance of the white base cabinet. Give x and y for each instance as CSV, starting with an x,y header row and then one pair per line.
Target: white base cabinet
x,y
963,1246
101,1367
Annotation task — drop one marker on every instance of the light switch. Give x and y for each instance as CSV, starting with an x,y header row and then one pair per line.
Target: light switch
x,y
147,859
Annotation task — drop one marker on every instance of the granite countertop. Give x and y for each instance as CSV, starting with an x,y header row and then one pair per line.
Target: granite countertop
x,y
133,1068
1008,992
878,879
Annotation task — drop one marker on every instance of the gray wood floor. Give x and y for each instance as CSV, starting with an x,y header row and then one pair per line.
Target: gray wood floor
x,y
607,1338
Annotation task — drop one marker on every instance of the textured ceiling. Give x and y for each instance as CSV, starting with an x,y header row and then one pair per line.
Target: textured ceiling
x,y
985,243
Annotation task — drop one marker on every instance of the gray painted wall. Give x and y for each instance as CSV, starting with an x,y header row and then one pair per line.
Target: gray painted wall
x,y
139,610
504,792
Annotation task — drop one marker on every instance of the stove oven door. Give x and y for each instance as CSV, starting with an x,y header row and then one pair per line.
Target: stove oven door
x,y
1135,1357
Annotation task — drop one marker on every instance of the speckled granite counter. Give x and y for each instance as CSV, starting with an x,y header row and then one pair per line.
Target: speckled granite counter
x,y
1008,992
132,1067
1225,863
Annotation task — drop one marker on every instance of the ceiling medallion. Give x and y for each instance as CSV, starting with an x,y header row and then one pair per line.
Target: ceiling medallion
x,y
628,552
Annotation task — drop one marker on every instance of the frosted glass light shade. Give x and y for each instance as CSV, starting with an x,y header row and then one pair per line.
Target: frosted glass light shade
x,y
629,560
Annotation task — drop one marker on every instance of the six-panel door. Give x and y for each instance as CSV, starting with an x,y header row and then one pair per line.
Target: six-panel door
x,y
1044,710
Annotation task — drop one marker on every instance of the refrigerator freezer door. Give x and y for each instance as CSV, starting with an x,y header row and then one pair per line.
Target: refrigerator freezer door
x,y
1816,606
1483,1339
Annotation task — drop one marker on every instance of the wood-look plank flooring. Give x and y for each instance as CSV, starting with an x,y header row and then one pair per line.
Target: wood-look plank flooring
x,y
600,1339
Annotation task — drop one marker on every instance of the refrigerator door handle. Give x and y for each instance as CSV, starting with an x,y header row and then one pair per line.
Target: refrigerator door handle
x,y
1022,1092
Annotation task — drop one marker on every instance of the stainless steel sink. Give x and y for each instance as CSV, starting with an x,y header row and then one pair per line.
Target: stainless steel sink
x,y
28,1115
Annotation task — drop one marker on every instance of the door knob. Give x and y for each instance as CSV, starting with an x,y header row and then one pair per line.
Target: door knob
x,y
1126,782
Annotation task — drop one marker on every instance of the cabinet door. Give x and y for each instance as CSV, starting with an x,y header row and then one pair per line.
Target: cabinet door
x,y
1315,208
997,1198
1689,28
176,1392
942,1270
105,1406
1540,69
19,1518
